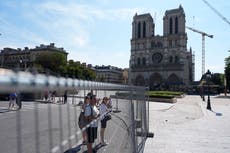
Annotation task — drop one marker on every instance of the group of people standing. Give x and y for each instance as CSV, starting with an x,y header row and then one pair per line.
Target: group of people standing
x,y
92,109
50,96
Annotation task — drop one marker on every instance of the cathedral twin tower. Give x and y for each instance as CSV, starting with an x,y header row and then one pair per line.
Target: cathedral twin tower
x,y
160,61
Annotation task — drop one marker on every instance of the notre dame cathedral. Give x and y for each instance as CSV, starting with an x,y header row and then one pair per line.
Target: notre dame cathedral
x,y
161,61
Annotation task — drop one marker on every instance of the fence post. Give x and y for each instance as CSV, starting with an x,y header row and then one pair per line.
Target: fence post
x,y
133,123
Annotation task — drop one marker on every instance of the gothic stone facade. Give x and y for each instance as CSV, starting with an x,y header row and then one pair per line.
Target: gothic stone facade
x,y
160,61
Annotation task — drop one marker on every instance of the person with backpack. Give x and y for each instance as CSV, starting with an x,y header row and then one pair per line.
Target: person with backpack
x,y
82,121
91,113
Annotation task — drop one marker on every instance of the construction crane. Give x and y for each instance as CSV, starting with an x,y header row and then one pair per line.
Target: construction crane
x,y
203,45
217,12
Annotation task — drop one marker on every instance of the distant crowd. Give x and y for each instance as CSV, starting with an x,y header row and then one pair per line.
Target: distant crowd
x,y
49,96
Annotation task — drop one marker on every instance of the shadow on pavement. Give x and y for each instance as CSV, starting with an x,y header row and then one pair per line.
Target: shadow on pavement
x,y
78,148
96,148
116,111
224,97
4,110
74,150
217,114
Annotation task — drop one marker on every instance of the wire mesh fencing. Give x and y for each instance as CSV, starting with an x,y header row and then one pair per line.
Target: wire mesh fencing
x,y
43,115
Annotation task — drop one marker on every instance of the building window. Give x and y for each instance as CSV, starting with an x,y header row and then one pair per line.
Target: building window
x,y
170,59
156,44
159,45
153,44
176,25
170,43
176,43
157,58
176,59
170,26
144,61
139,61
139,30
144,29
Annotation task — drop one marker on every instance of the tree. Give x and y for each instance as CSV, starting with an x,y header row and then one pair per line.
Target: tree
x,y
57,65
88,74
52,61
227,71
218,79
76,70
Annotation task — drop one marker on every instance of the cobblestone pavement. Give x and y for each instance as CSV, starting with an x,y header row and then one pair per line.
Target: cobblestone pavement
x,y
188,127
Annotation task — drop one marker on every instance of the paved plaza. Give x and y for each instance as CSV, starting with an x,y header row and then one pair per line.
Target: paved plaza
x,y
188,127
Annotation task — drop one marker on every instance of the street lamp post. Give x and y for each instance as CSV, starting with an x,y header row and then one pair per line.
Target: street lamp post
x,y
203,93
202,88
225,88
208,77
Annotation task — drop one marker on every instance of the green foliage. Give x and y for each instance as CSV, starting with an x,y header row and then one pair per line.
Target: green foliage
x,y
51,61
154,94
57,64
227,71
227,60
163,94
75,69
218,79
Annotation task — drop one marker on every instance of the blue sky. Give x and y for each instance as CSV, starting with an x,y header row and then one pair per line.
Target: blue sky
x,y
99,31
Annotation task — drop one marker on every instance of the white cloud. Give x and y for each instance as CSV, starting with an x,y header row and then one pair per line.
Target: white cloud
x,y
123,13
71,26
74,20
81,40
87,12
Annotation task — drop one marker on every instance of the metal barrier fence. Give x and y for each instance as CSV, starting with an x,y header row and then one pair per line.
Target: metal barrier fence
x,y
50,126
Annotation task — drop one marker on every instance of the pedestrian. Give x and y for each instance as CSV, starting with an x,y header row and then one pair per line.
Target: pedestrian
x,y
103,110
50,97
19,101
65,97
12,102
81,120
53,96
91,113
46,95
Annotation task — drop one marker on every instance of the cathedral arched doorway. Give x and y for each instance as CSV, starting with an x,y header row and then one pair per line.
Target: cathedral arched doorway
x,y
155,81
173,80
139,81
